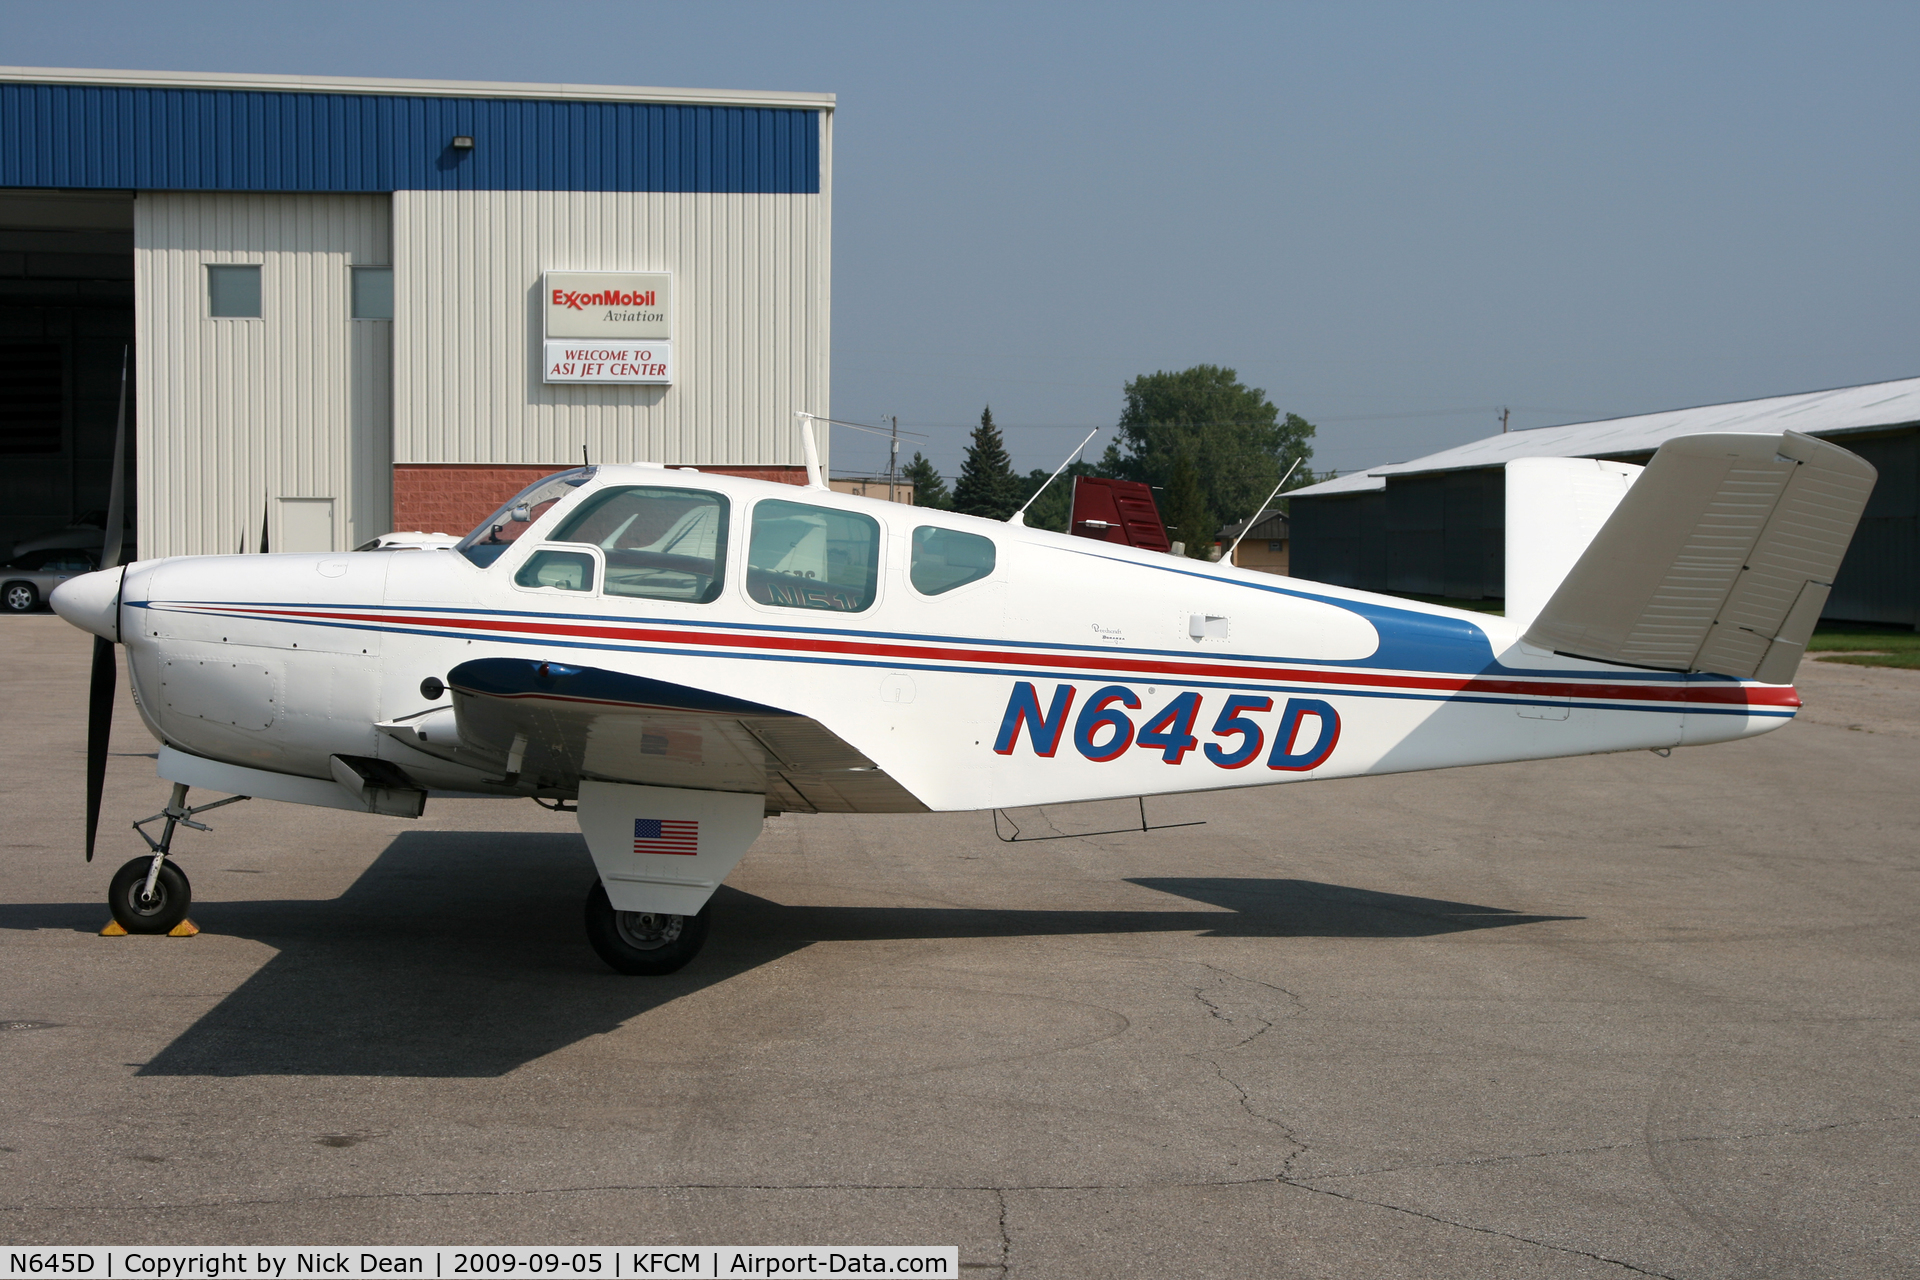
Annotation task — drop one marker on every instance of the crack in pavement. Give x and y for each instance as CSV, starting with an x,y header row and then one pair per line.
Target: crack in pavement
x,y
1001,1194
1006,1236
1486,1231
1215,1010
1635,1144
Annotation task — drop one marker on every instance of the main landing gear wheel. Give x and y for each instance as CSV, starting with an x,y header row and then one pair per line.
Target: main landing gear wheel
x,y
135,911
642,942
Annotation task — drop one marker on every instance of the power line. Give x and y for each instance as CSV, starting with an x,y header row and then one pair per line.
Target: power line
x,y
1494,409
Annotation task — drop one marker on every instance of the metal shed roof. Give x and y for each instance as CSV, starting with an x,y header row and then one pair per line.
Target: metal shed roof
x,y
413,88
160,131
1268,524
1874,406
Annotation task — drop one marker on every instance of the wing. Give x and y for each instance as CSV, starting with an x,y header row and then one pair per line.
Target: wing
x,y
557,723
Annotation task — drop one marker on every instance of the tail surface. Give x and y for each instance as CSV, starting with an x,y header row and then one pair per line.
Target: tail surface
x,y
1719,558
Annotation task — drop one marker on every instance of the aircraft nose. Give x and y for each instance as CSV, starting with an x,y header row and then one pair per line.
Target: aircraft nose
x,y
91,602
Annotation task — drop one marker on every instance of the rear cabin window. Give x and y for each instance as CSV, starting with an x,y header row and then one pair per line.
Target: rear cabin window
x,y
945,558
805,557
660,544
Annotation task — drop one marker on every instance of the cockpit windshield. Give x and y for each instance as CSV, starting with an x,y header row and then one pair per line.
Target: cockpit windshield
x,y
500,530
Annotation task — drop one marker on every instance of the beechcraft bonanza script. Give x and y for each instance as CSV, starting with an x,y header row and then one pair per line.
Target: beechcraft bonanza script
x,y
678,654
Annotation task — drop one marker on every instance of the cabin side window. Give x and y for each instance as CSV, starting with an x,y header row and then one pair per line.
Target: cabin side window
x,y
559,570
807,557
659,544
946,558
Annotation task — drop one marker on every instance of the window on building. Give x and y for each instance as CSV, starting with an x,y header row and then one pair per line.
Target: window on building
x,y
373,293
562,570
32,397
660,544
233,291
805,557
945,558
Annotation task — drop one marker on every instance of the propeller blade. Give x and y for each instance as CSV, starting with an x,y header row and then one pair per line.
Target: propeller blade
x,y
106,675
99,730
117,494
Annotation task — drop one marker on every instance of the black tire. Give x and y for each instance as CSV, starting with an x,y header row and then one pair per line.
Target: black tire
x,y
20,597
640,943
172,895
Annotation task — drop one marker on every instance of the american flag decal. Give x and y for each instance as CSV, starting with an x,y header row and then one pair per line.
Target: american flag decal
x,y
666,835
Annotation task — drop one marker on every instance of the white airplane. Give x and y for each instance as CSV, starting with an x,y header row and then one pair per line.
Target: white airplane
x,y
678,654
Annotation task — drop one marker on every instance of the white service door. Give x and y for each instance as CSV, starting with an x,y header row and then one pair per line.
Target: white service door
x,y
306,524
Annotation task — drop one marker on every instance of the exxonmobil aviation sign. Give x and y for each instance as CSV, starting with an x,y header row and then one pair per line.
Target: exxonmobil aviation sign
x,y
607,326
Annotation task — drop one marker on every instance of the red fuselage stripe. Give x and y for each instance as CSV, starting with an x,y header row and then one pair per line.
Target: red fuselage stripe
x,y
1689,692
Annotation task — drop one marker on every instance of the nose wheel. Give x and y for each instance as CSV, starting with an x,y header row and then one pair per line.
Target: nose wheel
x,y
142,907
151,894
643,943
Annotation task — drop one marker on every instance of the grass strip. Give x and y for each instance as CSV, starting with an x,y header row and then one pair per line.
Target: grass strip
x,y
1910,660
1863,637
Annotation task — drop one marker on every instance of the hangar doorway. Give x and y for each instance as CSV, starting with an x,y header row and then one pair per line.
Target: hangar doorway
x,y
66,313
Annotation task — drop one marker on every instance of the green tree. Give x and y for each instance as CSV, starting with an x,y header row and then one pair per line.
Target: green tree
x,y
1184,507
987,485
1231,435
929,490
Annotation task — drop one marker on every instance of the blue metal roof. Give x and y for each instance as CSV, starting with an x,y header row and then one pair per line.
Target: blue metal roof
x,y
165,139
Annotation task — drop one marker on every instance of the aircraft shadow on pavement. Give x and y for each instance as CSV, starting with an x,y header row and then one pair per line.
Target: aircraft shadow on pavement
x,y
460,954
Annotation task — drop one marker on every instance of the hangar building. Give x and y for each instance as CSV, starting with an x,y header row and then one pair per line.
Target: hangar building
x,y
362,305
1437,525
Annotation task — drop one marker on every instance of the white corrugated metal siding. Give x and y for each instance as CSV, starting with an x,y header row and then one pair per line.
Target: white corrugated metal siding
x,y
235,414
751,290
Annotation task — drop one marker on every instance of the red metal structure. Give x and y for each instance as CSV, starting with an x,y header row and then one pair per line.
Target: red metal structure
x,y
1119,511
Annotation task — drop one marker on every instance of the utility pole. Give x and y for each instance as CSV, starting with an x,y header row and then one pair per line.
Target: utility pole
x,y
1503,419
893,459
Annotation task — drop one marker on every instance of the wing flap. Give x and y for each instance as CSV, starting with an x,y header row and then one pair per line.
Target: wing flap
x,y
1717,559
556,724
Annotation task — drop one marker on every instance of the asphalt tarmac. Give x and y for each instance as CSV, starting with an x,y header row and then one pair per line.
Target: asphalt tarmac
x,y
1611,1016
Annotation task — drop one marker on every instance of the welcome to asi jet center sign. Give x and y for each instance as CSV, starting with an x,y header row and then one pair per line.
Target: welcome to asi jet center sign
x,y
607,326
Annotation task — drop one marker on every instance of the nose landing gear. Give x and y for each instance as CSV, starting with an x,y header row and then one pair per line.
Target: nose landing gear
x,y
150,894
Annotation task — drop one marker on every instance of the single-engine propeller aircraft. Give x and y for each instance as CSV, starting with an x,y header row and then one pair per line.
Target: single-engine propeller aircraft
x,y
677,654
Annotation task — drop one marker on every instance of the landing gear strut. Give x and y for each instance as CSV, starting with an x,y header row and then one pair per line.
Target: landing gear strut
x,y
643,943
150,894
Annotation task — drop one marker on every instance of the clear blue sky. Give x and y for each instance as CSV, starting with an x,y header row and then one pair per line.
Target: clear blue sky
x,y
1394,218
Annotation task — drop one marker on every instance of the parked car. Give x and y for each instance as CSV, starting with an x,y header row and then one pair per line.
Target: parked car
x,y
26,584
410,541
88,533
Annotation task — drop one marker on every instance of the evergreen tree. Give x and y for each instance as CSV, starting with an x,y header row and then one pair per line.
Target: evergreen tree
x,y
1184,507
929,490
987,485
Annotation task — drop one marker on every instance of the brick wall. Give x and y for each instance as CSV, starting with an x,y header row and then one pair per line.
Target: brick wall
x,y
453,498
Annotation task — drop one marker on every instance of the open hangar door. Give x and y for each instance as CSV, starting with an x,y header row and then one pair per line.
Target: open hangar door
x,y
66,314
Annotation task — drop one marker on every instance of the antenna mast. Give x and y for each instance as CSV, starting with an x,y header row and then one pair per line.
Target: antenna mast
x,y
893,459
1263,506
809,450
1018,517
